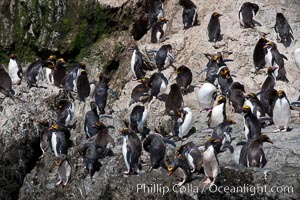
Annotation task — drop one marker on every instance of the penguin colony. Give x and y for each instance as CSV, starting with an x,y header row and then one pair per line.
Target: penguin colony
x,y
269,104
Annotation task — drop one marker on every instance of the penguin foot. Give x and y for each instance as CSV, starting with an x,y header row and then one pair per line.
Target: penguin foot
x,y
276,130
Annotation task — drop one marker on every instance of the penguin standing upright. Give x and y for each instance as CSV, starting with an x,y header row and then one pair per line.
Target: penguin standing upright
x,y
223,132
132,150
155,11
218,114
101,93
59,139
236,96
103,140
183,123
72,76
138,117
59,72
164,57
65,112
6,83
189,13
283,30
15,70
281,112
256,106
192,153
267,91
275,59
251,124
184,78
156,147
137,63
83,85
210,161
259,54
206,96
224,80
49,71
158,30
158,84
246,13
90,120
65,168
181,170
214,28
212,67
252,153
174,101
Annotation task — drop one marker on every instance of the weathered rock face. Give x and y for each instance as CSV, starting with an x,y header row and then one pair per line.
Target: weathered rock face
x,y
52,26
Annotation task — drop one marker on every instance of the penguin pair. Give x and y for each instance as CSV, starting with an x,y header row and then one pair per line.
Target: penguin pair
x,y
83,85
189,13
72,76
283,30
192,154
259,54
156,147
132,150
181,169
214,28
246,14
210,161
164,57
206,96
224,80
281,112
275,59
158,30
15,70
252,153
218,113
183,123
267,91
155,11
65,112
65,168
236,93
251,124
6,84
184,78
174,101
90,153
137,63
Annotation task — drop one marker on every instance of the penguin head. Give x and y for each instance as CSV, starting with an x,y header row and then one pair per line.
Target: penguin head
x,y
216,14
270,45
224,72
181,69
99,125
271,70
264,138
281,94
52,58
251,96
133,47
221,99
213,141
246,109
13,56
255,7
61,62
59,159
54,127
124,131
144,81
163,20
82,65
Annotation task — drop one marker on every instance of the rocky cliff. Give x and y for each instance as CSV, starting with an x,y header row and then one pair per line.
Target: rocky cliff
x,y
99,33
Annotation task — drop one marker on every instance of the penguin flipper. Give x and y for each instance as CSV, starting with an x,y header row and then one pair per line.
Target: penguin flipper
x,y
168,141
283,56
